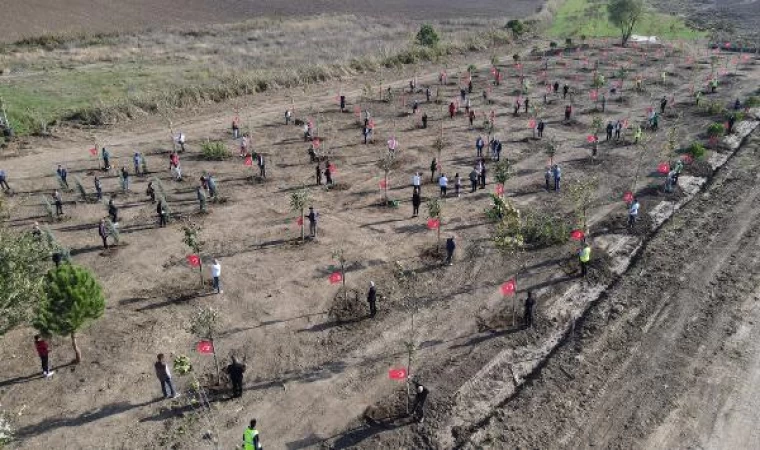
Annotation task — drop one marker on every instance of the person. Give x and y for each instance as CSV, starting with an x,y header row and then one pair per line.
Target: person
x,y
106,159
312,216
181,141
556,87
604,103
483,172
125,178
443,183
58,200
235,128
479,144
565,90
424,120
548,177
136,160
43,351
516,111
372,299
530,310
319,174
473,180
251,437
342,103
618,129
663,104
113,211
731,122
452,110
450,247
713,85
162,213
655,122
418,409
288,116
200,194
244,146
216,273
541,125
164,376
415,107
151,192
568,112
235,371
610,129
62,174
457,185
36,231
557,173
737,105
98,188
697,97
498,147
306,132
433,167
328,176
365,133
427,94
4,181
416,201
471,115
417,182
527,102
262,165
211,183
584,256
462,93
637,135
173,160
633,212
103,232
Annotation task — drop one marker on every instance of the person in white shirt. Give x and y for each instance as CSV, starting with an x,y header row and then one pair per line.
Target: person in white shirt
x,y
181,141
417,181
443,182
216,272
633,213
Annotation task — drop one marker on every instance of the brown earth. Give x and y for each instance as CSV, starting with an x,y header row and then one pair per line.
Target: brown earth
x,y
314,380
33,17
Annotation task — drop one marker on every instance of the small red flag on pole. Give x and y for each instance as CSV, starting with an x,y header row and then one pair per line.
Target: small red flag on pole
x,y
577,235
205,347
508,287
397,374
94,151
433,224
663,168
335,277
628,197
194,260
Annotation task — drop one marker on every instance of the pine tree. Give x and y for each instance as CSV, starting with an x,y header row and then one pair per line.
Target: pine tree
x,y
73,298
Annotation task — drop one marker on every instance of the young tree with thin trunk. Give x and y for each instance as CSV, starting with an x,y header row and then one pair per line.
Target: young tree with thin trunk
x,y
192,239
339,255
73,298
204,324
435,213
582,193
298,201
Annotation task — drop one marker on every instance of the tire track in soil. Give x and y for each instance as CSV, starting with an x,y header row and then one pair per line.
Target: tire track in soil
x,y
646,342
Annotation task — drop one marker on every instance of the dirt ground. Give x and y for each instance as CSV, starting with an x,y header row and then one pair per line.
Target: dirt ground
x,y
311,379
31,18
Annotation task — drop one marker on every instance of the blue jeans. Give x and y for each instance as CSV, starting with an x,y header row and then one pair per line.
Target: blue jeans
x,y
556,183
167,382
217,284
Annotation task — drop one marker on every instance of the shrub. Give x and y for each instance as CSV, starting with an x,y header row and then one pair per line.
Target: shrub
x,y
568,42
552,45
752,102
427,36
516,27
715,129
214,151
697,150
540,229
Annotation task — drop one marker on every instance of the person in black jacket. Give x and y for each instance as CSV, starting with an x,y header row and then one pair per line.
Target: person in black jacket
x,y
235,371
113,211
418,410
103,232
530,310
416,201
161,211
372,299
450,247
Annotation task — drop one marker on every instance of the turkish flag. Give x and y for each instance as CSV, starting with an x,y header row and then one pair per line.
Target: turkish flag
x,y
745,58
316,142
383,184
594,94
357,111
194,260
499,189
94,151
335,277
727,45
371,124
433,224
532,124
577,235
590,138
332,168
299,221
687,159
663,168
628,197
248,160
205,347
397,374
509,287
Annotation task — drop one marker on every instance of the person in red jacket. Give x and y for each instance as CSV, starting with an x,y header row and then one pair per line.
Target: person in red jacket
x,y
43,351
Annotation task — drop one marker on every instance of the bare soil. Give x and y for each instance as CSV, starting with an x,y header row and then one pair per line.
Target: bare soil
x,y
317,369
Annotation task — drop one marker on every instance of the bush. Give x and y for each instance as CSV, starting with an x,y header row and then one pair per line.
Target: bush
x,y
516,27
427,36
568,42
552,45
697,150
540,229
752,102
215,151
716,129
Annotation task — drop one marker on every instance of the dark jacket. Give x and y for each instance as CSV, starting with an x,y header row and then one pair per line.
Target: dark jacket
x,y
372,294
235,370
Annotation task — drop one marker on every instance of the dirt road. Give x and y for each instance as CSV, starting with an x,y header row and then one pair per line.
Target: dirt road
x,y
669,358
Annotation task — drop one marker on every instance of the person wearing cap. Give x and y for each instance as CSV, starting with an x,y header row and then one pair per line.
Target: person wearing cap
x,y
372,299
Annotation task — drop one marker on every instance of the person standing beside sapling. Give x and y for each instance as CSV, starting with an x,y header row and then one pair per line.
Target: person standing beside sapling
x,y
457,185
312,216
63,174
58,200
164,377
417,182
450,247
113,211
633,213
43,351
474,180
103,233
235,371
98,189
443,183
418,409
4,180
161,211
530,310
584,256
416,201
216,273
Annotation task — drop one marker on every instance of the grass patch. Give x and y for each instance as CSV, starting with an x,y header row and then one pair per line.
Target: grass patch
x,y
589,17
